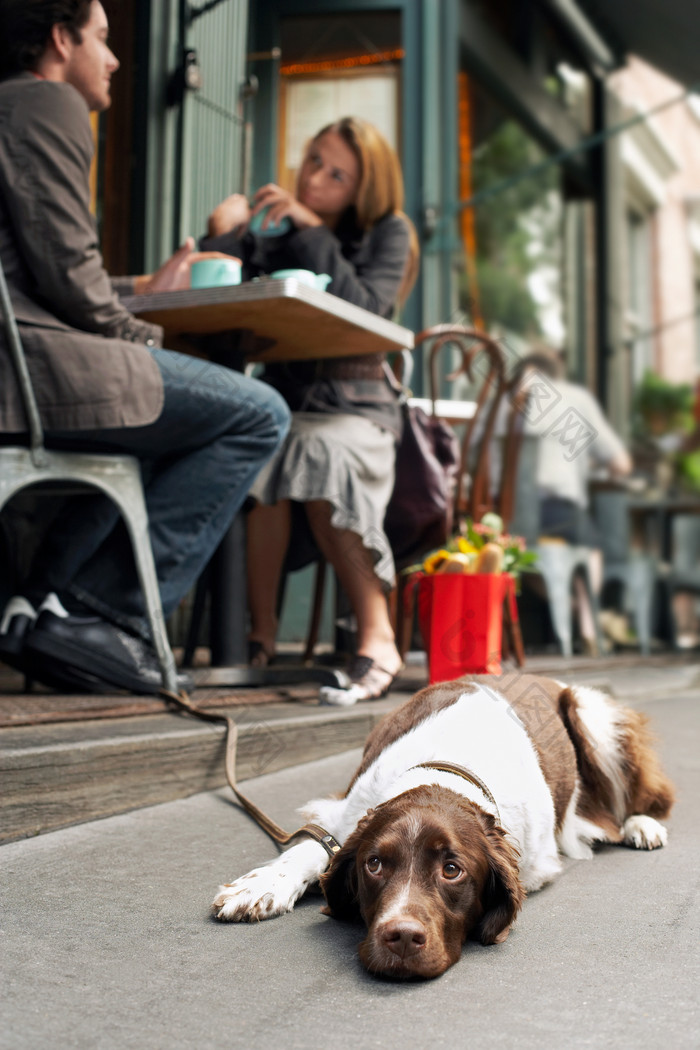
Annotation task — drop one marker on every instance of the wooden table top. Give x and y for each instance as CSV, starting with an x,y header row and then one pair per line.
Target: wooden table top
x,y
302,322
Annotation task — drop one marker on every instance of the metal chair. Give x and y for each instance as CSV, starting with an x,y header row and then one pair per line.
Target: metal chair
x,y
684,575
117,476
557,562
634,571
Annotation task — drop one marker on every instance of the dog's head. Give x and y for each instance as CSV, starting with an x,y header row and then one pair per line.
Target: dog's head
x,y
424,871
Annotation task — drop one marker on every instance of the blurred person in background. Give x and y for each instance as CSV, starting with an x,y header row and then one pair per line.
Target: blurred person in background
x,y
562,475
556,413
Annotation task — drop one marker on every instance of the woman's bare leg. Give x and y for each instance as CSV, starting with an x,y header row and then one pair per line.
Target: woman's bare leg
x,y
353,566
268,539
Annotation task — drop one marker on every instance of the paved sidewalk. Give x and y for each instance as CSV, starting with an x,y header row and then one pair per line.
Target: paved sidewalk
x,y
107,941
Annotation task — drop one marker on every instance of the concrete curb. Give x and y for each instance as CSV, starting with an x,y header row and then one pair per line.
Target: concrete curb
x,y
57,775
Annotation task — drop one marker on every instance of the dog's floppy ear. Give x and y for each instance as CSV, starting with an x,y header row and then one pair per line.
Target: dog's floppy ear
x,y
503,894
339,882
339,885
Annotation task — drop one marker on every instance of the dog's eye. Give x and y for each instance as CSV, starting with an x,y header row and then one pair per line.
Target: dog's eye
x,y
450,870
373,865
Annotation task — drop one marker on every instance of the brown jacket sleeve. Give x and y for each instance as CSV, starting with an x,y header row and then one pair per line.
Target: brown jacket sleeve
x,y
54,230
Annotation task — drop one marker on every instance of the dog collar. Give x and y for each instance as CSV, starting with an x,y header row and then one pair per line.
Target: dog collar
x,y
466,774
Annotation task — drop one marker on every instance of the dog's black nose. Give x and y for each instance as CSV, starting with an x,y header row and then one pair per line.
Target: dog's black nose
x,y
404,936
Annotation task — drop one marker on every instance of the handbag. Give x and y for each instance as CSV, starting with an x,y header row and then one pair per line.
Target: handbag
x,y
420,513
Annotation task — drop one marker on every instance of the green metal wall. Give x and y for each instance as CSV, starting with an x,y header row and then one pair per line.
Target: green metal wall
x,y
212,119
192,145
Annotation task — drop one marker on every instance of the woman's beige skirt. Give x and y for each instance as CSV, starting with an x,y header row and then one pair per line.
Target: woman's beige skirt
x,y
345,460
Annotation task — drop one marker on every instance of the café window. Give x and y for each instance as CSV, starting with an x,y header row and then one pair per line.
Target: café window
x,y
639,313
335,66
510,261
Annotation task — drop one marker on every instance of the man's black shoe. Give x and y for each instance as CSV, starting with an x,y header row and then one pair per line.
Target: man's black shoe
x,y
83,646
17,623
60,677
35,668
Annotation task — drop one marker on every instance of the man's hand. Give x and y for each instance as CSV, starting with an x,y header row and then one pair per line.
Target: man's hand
x,y
174,275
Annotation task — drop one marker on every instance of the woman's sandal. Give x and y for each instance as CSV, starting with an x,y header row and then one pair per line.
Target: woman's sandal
x,y
366,680
258,655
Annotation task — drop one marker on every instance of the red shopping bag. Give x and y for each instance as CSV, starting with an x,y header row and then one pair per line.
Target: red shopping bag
x,y
461,620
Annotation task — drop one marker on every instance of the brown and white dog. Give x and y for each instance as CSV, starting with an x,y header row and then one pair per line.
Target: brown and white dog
x,y
431,857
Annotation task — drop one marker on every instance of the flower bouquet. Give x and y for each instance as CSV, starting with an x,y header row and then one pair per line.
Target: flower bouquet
x,y
461,591
484,548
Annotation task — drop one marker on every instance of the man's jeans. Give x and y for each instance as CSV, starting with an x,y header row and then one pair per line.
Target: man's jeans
x,y
199,459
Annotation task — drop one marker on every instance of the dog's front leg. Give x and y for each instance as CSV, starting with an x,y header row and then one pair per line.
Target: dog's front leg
x,y
273,889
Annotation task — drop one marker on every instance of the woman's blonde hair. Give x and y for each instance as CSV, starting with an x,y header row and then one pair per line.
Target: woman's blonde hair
x,y
380,191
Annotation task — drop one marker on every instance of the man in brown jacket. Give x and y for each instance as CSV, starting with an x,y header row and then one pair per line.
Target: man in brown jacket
x,y
101,379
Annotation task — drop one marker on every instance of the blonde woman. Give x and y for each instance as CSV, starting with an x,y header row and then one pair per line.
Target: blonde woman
x,y
328,488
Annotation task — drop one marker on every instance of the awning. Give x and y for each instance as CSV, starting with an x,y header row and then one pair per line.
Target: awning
x,y
665,33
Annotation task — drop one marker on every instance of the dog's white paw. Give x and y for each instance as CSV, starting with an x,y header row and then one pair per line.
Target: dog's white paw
x,y
642,832
261,894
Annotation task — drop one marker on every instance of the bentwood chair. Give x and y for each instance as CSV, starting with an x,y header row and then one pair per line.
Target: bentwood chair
x,y
482,361
117,476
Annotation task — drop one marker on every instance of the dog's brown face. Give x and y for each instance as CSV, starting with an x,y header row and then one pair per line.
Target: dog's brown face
x,y
424,870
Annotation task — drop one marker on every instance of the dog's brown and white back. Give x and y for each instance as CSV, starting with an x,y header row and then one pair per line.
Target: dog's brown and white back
x,y
430,857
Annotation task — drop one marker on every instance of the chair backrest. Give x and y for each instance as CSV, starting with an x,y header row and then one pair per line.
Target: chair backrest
x,y
19,361
475,492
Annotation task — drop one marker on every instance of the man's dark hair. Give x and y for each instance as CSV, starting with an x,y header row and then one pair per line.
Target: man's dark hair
x,y
25,29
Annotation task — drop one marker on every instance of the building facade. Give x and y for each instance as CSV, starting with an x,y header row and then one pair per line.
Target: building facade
x,y
537,217
660,160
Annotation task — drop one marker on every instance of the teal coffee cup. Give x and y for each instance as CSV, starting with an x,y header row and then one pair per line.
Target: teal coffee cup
x,y
215,273
273,229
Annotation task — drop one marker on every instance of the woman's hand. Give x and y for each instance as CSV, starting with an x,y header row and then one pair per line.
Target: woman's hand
x,y
283,203
174,275
232,212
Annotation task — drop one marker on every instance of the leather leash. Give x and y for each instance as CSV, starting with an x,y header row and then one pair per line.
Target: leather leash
x,y
314,831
